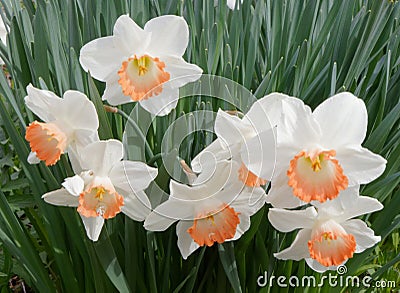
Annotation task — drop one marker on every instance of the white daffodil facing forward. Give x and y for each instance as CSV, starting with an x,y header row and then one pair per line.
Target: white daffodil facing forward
x,y
70,123
250,140
328,236
143,65
3,35
106,187
215,208
320,153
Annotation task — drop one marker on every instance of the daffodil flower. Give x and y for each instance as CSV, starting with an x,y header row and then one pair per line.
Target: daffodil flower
x,y
106,187
70,123
142,65
216,208
249,141
320,153
328,236
3,35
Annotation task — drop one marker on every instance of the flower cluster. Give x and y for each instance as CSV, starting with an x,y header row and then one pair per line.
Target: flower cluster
x,y
312,161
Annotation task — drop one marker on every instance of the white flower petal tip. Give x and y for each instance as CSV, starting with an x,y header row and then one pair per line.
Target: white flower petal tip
x,y
320,152
69,123
143,65
328,237
60,197
33,159
93,227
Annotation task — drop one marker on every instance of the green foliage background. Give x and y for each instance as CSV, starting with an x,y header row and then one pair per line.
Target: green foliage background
x,y
309,49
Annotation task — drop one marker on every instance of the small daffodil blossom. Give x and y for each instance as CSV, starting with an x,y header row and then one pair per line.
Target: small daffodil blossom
x,y
320,153
107,187
3,35
142,65
249,141
216,208
328,236
70,123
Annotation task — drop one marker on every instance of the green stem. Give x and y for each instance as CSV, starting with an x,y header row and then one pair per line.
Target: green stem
x,y
148,150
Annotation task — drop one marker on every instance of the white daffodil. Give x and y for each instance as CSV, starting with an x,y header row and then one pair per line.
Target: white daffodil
x,y
143,65
216,208
250,140
319,153
3,35
70,123
328,236
106,187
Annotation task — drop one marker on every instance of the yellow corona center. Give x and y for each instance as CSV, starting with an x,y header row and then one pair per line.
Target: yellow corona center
x,y
330,245
316,176
100,201
142,77
213,227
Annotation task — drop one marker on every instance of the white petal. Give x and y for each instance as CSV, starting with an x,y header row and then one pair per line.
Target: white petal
x,y
365,237
42,103
33,159
132,176
232,130
169,35
102,57
163,103
225,174
212,154
137,206
101,156
3,31
343,120
360,165
133,38
168,213
180,71
316,266
93,226
186,243
74,185
249,201
297,126
79,111
243,226
82,138
266,112
286,221
113,93
258,154
61,197
281,194
299,248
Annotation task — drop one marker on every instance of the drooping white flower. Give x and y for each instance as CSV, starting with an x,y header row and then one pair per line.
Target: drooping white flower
x,y
143,65
328,236
215,209
249,141
320,153
106,187
70,123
